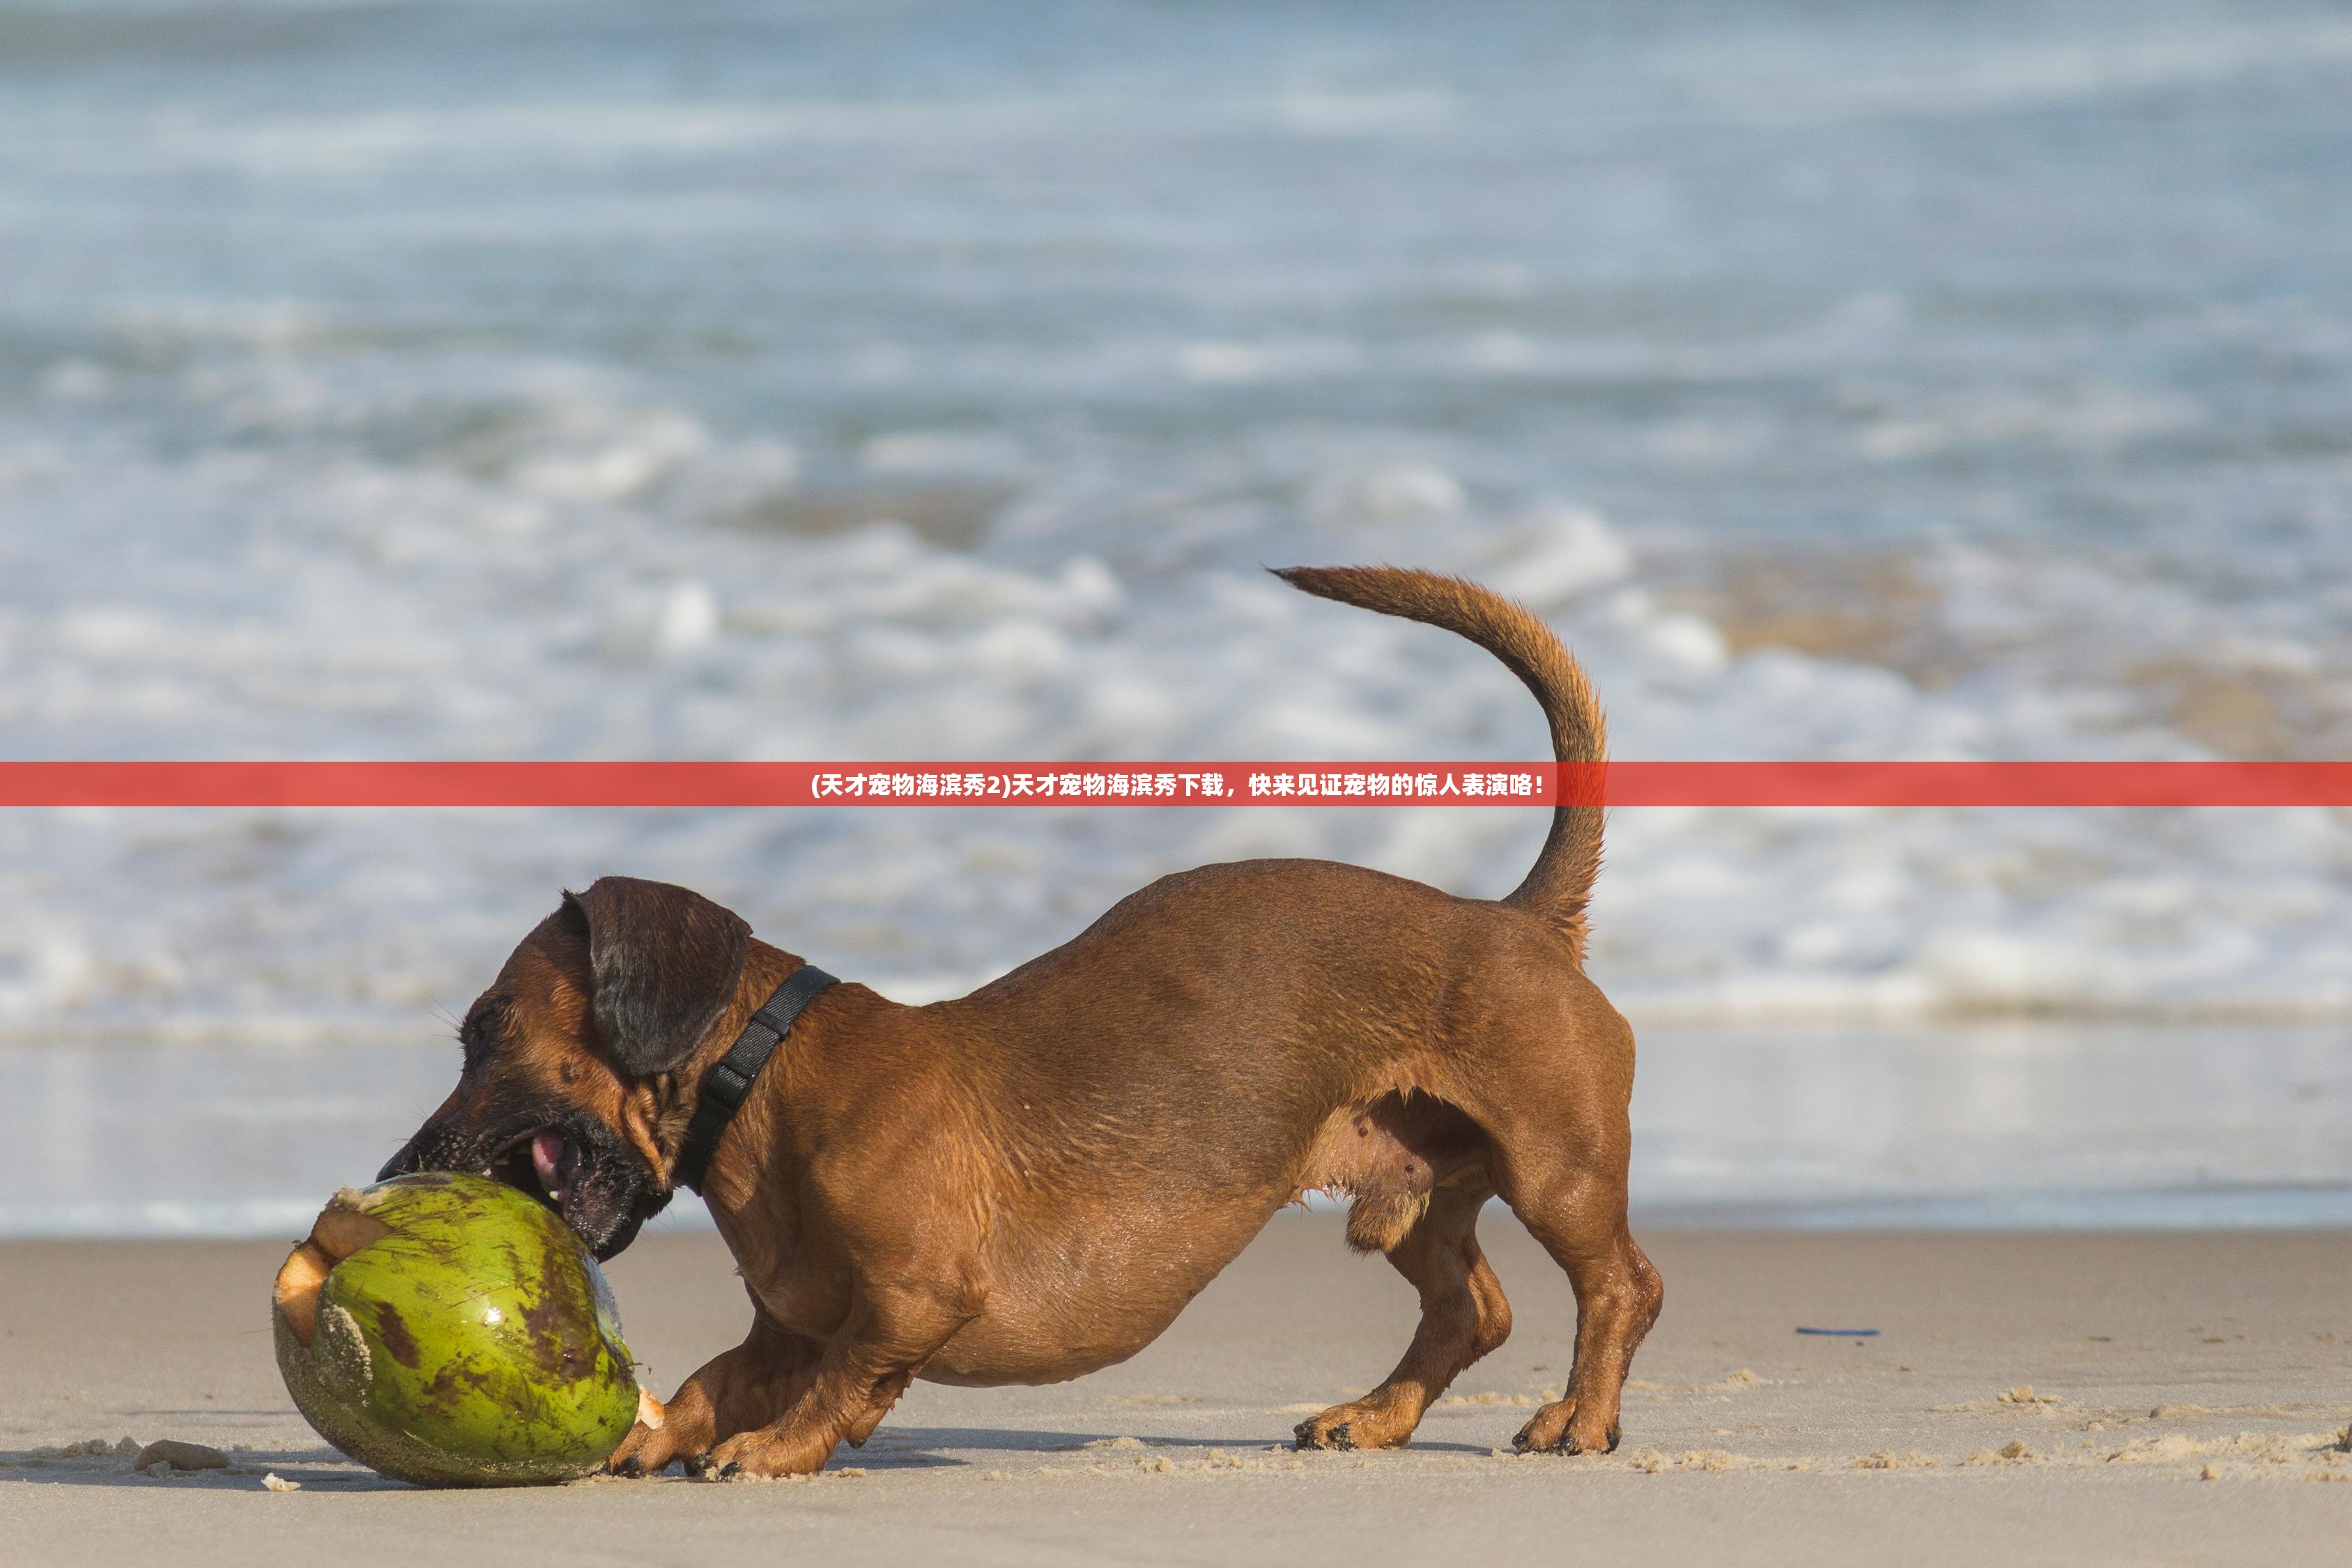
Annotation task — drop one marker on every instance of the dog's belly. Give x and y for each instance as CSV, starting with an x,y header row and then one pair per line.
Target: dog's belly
x,y
1098,1292
1114,1270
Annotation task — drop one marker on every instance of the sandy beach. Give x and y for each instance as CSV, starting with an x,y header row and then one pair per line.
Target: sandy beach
x,y
2030,1398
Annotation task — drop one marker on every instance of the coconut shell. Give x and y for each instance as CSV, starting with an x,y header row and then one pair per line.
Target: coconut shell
x,y
449,1331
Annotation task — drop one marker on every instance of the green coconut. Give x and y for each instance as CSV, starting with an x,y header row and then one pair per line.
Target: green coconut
x,y
449,1331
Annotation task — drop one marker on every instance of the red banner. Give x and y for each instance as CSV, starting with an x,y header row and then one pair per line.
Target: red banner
x,y
1214,784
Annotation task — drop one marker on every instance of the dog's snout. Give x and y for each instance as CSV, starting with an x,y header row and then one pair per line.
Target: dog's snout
x,y
405,1163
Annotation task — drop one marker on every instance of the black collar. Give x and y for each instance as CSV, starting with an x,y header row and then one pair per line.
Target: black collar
x,y
730,1079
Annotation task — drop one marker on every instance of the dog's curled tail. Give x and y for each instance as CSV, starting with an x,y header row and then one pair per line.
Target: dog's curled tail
x,y
1560,882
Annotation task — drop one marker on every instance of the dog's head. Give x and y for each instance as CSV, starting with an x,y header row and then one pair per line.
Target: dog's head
x,y
571,1056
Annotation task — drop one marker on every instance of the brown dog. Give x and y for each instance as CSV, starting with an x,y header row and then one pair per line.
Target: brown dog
x,y
1030,1182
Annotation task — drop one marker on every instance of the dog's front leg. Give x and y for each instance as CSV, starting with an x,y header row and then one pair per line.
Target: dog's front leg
x,y
739,1391
891,1330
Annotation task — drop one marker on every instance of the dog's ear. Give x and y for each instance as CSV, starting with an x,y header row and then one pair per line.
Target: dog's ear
x,y
665,963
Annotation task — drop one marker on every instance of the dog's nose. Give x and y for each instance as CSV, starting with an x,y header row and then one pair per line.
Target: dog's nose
x,y
400,1165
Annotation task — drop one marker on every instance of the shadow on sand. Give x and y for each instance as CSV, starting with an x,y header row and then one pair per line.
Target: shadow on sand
x,y
891,1448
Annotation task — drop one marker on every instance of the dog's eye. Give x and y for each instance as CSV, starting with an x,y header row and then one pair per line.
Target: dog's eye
x,y
481,1031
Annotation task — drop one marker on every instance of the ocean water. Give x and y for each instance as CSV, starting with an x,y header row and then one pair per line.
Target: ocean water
x,y
898,380
1984,1126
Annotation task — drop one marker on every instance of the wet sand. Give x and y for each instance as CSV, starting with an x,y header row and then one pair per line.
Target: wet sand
x,y
2137,1398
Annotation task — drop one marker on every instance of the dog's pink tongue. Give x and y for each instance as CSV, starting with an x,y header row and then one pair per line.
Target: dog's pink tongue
x,y
546,1155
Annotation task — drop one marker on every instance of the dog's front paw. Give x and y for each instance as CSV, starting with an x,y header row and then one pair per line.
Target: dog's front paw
x,y
645,1451
1323,1433
654,1440
765,1454
1555,1430
1383,1418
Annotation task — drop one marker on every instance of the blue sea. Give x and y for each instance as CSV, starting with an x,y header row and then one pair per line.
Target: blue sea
x,y
879,380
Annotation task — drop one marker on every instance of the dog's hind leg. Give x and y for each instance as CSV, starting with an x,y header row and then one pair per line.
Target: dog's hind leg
x,y
1618,1294
1574,1204
1551,1088
1463,1317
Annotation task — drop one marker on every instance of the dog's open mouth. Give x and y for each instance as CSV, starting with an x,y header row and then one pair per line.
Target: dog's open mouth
x,y
585,1176
542,1162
